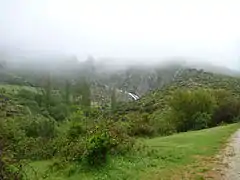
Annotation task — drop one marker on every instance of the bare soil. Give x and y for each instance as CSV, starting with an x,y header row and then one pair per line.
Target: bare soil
x,y
229,160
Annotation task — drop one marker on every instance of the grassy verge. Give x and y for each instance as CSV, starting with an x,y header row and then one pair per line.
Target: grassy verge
x,y
181,156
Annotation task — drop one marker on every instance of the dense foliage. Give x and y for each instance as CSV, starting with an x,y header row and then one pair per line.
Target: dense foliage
x,y
194,100
62,118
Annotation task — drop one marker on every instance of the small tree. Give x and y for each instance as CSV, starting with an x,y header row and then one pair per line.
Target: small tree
x,y
47,90
113,99
67,92
86,94
83,94
186,104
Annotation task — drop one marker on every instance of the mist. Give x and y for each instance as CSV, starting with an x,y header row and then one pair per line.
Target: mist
x,y
124,31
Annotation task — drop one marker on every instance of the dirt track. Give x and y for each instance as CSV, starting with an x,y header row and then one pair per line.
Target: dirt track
x,y
231,159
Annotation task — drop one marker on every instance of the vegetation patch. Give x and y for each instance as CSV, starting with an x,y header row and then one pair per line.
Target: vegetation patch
x,y
57,129
185,155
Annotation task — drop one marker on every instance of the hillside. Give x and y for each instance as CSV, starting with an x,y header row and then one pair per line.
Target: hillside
x,y
86,123
186,79
132,77
186,155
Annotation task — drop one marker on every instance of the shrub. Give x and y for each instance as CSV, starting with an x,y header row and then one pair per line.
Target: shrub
x,y
40,126
106,138
162,122
30,148
119,132
76,125
187,105
59,112
227,111
11,133
98,145
10,169
77,116
10,164
26,94
142,129
28,98
69,150
139,125
202,120
75,130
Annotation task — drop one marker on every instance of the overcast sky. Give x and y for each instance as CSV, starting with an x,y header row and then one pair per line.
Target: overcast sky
x,y
205,29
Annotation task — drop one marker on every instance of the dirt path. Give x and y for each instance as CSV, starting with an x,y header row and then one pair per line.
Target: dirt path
x,y
231,159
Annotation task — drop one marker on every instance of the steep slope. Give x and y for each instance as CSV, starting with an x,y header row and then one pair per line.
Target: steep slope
x,y
135,78
187,78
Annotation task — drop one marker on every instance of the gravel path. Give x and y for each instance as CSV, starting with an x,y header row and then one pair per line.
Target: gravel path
x,y
232,159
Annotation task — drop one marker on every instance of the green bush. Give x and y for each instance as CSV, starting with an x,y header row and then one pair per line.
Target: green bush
x,y
77,116
106,138
98,145
119,133
75,130
69,150
10,169
139,125
28,98
59,112
10,163
40,126
26,94
29,148
142,129
227,111
11,133
188,105
76,125
201,120
162,122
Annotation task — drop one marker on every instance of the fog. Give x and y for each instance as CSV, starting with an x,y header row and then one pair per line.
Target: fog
x,y
143,30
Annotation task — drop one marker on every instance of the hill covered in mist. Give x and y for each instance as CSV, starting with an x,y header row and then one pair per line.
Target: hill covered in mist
x,y
137,76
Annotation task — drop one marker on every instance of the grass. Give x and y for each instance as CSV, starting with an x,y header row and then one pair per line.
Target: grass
x,y
12,89
180,156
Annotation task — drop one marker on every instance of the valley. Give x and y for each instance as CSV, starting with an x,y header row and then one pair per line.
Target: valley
x,y
165,122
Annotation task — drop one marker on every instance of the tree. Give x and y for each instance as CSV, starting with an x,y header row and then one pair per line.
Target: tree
x,y
86,94
113,99
189,107
48,88
67,92
83,93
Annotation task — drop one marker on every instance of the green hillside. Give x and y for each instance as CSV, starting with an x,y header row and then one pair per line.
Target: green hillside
x,y
181,156
87,128
188,79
